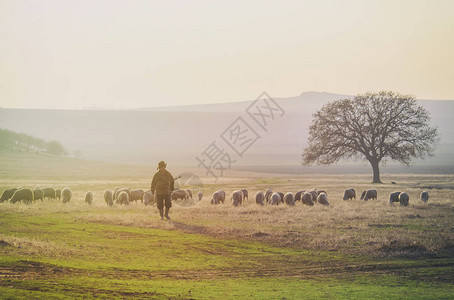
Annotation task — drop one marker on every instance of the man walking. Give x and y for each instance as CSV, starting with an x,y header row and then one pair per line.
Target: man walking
x,y
163,184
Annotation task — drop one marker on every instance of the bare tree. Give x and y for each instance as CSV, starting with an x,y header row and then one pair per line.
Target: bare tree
x,y
373,126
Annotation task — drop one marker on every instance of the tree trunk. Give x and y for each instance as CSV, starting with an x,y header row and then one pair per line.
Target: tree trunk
x,y
376,170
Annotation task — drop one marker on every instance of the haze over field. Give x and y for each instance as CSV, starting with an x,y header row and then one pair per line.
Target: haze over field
x,y
180,134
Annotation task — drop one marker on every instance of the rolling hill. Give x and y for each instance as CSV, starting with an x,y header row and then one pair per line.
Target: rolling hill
x,y
185,135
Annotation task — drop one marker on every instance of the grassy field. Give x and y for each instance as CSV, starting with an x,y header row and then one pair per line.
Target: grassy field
x,y
351,249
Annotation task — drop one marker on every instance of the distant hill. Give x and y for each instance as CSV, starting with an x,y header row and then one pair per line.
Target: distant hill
x,y
182,134
15,142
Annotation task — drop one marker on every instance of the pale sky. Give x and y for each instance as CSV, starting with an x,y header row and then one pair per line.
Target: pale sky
x,y
130,54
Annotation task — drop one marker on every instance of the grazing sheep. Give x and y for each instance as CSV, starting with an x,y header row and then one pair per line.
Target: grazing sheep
x,y
89,197
200,196
108,197
321,191
148,198
179,194
58,194
25,195
424,196
218,197
7,194
49,193
237,198
298,195
314,195
66,194
117,191
275,199
306,198
404,199
136,195
268,195
322,199
349,194
282,196
38,194
394,197
370,194
123,198
289,199
260,198
245,194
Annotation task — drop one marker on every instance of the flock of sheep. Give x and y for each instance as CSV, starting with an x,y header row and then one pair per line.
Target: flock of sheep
x,y
308,197
124,196
25,195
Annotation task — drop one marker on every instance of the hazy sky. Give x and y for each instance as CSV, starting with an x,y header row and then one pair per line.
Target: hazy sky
x,y
129,54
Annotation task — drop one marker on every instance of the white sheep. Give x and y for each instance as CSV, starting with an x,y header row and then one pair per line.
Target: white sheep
x,y
260,198
66,194
89,197
108,197
424,196
322,198
289,199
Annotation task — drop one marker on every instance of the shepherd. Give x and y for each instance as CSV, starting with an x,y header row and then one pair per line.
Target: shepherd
x,y
163,184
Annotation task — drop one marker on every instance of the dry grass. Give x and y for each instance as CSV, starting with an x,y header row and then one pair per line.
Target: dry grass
x,y
371,227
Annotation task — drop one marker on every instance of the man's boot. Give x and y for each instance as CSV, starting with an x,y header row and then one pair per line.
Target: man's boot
x,y
161,212
167,213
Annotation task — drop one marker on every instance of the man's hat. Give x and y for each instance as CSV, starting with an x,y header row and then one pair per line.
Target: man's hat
x,y
161,164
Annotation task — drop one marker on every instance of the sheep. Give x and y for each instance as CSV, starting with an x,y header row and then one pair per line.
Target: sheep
x,y
245,194
217,197
7,194
362,195
89,197
58,194
108,197
298,195
369,194
322,198
321,191
25,195
189,193
136,195
49,193
200,195
66,194
117,191
306,198
282,196
268,195
403,199
123,198
236,197
349,194
275,199
424,196
289,199
148,198
38,194
259,198
394,197
179,194
314,195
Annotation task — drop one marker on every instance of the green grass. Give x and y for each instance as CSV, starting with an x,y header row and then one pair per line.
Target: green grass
x,y
354,249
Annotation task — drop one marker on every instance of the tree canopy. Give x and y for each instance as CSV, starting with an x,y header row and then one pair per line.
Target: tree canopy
x,y
372,126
